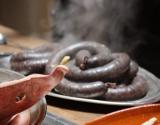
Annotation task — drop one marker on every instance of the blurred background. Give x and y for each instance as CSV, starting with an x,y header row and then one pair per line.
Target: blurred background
x,y
124,30
30,17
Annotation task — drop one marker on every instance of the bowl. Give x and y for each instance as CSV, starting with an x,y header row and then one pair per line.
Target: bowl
x,y
38,111
130,116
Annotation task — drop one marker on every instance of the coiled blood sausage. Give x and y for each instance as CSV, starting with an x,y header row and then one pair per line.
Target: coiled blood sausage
x,y
95,72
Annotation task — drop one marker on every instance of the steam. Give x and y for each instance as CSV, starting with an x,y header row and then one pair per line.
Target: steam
x,y
111,22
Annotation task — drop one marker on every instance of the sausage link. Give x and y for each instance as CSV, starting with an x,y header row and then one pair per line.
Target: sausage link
x,y
135,90
31,60
30,66
83,90
29,56
110,71
73,49
133,69
91,66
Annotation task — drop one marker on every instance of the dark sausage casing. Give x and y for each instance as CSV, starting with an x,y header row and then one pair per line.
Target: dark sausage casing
x,y
92,67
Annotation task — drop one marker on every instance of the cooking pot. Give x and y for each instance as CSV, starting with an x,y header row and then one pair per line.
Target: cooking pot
x,y
25,110
36,112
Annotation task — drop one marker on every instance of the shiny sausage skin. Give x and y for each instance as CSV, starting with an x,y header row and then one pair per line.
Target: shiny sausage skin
x,y
31,61
135,90
73,49
117,73
30,66
83,90
110,71
128,76
133,69
85,59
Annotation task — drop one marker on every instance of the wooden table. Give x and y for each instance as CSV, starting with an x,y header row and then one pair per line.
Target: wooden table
x,y
77,112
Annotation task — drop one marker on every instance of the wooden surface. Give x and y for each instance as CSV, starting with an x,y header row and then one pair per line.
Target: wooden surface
x,y
77,112
27,16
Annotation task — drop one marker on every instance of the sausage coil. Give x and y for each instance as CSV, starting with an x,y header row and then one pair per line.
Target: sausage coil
x,y
95,72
